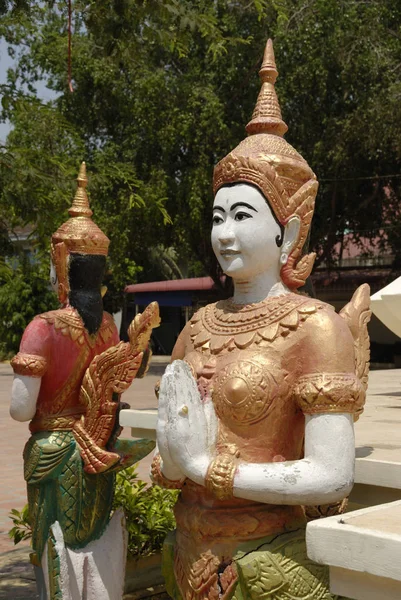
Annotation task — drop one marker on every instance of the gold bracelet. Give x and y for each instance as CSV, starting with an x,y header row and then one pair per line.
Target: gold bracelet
x,y
220,476
159,479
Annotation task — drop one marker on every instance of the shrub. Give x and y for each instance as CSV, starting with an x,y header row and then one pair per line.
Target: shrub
x,y
148,510
22,529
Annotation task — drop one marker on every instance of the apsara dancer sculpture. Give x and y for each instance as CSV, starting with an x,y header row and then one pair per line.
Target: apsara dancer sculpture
x,y
69,374
256,412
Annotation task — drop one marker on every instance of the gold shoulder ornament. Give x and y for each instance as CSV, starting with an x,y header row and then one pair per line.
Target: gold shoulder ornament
x,y
29,364
342,392
357,315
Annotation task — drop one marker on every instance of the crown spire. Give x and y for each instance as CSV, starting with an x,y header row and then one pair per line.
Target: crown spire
x,y
266,117
80,205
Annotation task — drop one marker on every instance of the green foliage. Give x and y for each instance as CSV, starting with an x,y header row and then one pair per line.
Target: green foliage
x,y
24,293
147,115
148,510
162,91
340,94
22,529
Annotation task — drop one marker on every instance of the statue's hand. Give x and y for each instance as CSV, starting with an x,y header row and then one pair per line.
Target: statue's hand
x,y
191,424
166,391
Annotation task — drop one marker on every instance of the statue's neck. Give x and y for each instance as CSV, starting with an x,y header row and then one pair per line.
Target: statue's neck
x,y
258,288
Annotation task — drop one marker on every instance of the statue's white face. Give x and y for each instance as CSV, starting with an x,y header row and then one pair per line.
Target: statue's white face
x,y
244,233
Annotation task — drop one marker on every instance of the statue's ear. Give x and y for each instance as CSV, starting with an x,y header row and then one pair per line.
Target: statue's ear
x,y
291,234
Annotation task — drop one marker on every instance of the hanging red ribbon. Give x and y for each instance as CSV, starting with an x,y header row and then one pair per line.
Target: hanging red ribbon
x,y
69,46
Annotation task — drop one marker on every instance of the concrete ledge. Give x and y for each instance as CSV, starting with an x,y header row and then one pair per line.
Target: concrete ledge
x,y
142,422
366,541
383,473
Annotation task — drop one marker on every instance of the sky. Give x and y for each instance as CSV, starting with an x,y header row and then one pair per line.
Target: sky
x,y
5,63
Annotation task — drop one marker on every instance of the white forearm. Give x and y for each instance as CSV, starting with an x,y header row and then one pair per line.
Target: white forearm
x,y
24,394
325,475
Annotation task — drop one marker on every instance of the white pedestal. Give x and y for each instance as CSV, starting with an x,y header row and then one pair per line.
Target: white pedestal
x,y
363,551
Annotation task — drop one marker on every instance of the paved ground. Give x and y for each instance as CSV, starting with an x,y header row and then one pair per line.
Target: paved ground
x,y
13,436
377,434
17,581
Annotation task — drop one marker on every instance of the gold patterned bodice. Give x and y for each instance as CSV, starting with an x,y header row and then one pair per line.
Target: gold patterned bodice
x,y
264,366
244,356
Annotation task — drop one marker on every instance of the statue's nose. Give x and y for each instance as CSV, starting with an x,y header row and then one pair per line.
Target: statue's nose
x,y
226,236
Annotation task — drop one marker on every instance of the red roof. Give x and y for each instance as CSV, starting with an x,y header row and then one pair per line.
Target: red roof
x,y
174,285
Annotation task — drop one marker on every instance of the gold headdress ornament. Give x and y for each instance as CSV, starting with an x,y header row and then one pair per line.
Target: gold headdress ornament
x,y
266,160
79,234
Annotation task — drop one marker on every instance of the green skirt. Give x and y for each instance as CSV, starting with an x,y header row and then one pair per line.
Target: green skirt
x,y
272,568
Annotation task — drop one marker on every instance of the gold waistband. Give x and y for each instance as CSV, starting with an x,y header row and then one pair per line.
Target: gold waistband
x,y
237,522
53,422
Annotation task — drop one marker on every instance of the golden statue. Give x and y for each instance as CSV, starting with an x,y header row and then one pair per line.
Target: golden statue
x,y
69,374
256,412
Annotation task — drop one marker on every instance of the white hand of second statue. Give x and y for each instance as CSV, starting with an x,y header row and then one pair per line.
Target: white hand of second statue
x,y
191,427
167,389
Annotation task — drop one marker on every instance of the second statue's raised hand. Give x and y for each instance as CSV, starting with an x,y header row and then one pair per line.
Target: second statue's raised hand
x,y
170,470
191,428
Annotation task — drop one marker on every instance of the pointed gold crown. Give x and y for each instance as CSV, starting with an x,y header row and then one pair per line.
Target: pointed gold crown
x,y
266,117
264,159
80,234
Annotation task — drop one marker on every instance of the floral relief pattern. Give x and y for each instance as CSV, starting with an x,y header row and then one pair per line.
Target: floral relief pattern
x,y
244,391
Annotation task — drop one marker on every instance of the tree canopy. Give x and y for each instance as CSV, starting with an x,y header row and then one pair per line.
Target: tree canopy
x,y
163,90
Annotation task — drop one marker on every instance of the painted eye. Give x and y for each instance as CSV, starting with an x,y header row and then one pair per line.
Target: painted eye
x,y
241,216
217,219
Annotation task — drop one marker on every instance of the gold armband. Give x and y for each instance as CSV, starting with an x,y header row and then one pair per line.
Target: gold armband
x,y
29,364
330,392
221,472
158,478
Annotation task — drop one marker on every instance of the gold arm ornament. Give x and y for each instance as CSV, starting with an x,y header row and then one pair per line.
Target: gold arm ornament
x,y
329,392
220,475
29,364
110,373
